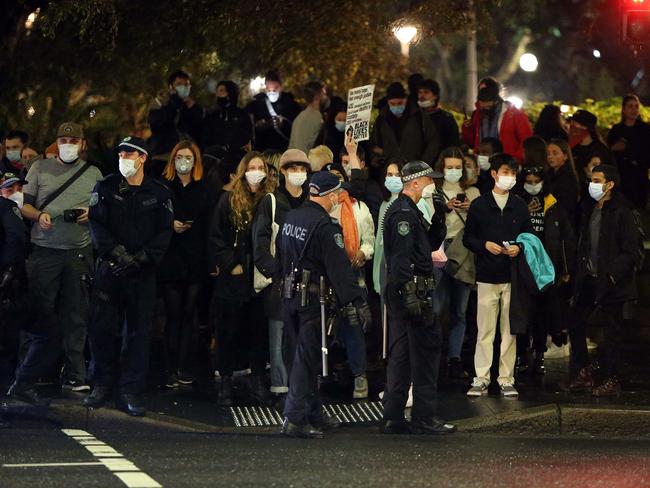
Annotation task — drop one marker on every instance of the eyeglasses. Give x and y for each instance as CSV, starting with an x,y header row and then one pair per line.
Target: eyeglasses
x,y
189,159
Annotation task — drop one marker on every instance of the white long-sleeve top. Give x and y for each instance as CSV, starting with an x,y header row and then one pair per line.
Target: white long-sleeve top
x,y
365,228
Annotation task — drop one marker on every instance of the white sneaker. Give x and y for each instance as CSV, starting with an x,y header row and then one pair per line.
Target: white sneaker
x,y
554,352
508,390
591,345
360,387
479,388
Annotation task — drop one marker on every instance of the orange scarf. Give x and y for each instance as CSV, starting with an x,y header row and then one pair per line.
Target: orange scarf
x,y
349,224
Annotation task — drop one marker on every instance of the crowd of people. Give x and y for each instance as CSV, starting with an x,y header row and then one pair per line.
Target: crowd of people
x,y
175,256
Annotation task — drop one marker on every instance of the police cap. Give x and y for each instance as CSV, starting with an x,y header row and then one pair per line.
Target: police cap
x,y
323,183
130,144
418,169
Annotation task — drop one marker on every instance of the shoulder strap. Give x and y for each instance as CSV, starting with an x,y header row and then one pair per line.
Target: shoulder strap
x,y
457,212
272,206
64,187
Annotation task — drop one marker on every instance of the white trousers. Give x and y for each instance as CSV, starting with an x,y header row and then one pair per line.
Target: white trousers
x,y
493,298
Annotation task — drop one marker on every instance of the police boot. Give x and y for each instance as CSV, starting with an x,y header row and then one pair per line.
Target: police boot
x,y
325,422
259,391
306,431
98,397
225,392
433,426
27,393
131,404
395,427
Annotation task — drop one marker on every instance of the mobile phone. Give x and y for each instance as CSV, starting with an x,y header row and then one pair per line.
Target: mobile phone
x,y
506,244
460,197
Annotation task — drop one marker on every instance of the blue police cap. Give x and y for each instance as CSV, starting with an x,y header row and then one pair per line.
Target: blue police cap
x,y
323,183
130,144
417,169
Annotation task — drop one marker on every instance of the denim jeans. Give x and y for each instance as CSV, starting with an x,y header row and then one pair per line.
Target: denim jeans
x,y
279,377
355,346
457,292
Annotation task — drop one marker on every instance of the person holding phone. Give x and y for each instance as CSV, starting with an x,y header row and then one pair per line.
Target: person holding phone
x,y
458,195
183,268
494,221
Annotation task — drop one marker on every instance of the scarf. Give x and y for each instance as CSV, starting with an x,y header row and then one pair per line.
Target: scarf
x,y
349,224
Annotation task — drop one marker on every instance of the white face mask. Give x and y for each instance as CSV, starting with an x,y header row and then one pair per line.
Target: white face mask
x,y
13,155
255,177
273,96
483,162
184,165
533,189
18,197
68,153
596,191
348,170
429,190
336,206
453,175
296,179
426,103
505,183
127,167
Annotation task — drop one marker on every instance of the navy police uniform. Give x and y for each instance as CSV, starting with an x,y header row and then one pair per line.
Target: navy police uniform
x,y
414,331
131,227
310,240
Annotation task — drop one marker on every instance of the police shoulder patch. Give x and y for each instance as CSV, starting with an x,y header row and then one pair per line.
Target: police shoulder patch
x,y
168,205
94,199
16,210
403,228
338,238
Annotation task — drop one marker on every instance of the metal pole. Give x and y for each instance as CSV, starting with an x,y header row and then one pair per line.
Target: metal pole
x,y
471,82
323,326
384,320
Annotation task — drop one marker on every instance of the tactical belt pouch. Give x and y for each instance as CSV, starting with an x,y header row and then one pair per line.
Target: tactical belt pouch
x,y
424,285
288,285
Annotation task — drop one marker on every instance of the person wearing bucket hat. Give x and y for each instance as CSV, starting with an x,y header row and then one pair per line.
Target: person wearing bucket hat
x,y
131,221
56,199
414,331
586,144
270,215
312,253
403,131
496,118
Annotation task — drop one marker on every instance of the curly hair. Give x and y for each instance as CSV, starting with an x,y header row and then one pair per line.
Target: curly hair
x,y
242,200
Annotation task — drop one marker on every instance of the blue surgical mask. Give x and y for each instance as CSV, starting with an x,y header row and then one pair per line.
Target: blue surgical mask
x,y
340,126
393,184
470,173
453,175
397,110
183,91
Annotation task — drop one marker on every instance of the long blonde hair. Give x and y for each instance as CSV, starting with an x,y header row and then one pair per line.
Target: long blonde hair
x,y
242,200
197,169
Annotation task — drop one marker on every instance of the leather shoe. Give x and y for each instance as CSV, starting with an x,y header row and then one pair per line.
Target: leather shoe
x,y
326,422
27,393
584,380
131,404
435,426
97,397
306,431
395,427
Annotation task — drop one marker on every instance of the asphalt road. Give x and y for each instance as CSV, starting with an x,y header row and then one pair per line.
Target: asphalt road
x,y
147,453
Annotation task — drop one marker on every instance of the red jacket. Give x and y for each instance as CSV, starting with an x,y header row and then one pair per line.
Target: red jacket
x,y
514,129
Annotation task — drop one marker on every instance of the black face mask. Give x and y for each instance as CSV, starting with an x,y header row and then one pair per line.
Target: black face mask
x,y
223,102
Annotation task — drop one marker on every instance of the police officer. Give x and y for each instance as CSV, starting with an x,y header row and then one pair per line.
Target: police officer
x,y
131,222
414,331
13,252
311,245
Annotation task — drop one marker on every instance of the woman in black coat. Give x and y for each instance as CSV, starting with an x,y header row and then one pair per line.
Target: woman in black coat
x,y
561,178
238,309
183,268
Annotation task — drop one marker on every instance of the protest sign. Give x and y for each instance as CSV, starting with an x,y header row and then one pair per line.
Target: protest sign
x,y
357,121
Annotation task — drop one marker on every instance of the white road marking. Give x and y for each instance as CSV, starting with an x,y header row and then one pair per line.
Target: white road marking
x,y
52,465
137,480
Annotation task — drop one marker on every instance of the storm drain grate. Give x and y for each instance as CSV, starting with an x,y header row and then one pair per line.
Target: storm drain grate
x,y
347,413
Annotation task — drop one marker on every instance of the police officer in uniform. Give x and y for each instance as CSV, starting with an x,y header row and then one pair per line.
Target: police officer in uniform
x,y
131,221
311,245
414,332
13,252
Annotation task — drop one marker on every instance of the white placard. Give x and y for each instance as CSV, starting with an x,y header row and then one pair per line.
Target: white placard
x,y
359,110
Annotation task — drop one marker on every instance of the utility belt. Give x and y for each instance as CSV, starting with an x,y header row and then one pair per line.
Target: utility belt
x,y
424,285
303,286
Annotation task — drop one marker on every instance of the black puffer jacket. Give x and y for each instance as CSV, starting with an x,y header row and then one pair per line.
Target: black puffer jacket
x,y
487,222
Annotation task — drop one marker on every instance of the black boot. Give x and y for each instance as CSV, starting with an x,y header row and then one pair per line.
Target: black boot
x,y
538,364
456,371
98,397
29,394
433,426
225,392
306,431
259,391
131,404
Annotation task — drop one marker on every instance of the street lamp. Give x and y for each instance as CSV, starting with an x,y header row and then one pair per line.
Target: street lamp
x,y
256,85
405,34
528,62
516,101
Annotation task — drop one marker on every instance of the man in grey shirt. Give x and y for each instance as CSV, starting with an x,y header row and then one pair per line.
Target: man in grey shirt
x,y
61,254
309,122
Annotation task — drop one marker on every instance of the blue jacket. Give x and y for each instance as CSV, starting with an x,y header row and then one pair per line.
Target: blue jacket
x,y
538,260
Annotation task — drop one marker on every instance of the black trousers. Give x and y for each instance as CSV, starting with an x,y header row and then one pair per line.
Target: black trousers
x,y
603,322
241,320
120,328
303,328
181,325
413,357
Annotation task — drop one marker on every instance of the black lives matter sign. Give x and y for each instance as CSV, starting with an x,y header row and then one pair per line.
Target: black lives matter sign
x,y
359,110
